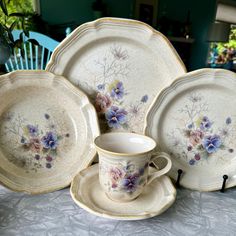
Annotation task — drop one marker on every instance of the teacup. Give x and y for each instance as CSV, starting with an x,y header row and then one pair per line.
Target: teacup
x,y
124,160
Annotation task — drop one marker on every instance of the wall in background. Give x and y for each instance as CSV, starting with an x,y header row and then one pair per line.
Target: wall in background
x,y
202,13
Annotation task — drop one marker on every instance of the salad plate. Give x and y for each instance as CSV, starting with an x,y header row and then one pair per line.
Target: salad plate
x,y
194,120
47,127
87,192
121,65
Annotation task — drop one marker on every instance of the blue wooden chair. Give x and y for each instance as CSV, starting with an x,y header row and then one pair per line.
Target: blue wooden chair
x,y
34,56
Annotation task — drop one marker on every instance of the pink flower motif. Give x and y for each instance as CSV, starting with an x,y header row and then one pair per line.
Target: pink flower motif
x,y
102,102
35,145
114,185
196,137
115,174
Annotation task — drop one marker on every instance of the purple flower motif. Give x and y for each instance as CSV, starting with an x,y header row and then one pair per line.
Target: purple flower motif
x,y
228,121
48,165
190,148
37,156
50,140
49,158
33,130
46,116
205,124
116,117
118,90
144,98
211,143
205,119
130,182
197,156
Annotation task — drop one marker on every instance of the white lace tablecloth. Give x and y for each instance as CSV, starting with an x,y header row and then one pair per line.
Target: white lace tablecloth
x,y
193,213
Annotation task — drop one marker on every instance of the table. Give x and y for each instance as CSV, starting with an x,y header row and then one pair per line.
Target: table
x,y
193,213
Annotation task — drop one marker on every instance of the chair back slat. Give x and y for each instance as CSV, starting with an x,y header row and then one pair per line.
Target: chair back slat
x,y
34,56
42,58
7,67
36,50
16,61
25,57
21,59
48,57
11,64
31,56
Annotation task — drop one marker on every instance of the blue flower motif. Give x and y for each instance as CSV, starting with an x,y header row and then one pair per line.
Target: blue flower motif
x,y
211,143
228,121
116,117
190,126
117,91
50,140
33,130
101,86
131,182
192,162
144,98
23,140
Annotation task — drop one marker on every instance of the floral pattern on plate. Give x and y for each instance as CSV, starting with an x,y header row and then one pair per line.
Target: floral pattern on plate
x,y
34,147
126,177
201,139
110,94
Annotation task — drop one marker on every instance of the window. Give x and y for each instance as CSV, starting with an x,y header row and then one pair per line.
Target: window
x,y
223,55
222,52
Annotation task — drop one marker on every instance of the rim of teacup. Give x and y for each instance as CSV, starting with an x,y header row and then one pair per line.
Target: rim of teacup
x,y
124,153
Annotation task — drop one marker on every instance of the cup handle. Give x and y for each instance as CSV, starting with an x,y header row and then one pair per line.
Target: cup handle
x,y
163,171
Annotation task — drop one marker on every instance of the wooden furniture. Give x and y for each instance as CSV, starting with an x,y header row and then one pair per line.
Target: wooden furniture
x,y
32,56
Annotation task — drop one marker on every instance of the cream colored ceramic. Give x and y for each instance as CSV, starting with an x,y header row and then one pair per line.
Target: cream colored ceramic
x,y
194,120
88,194
121,65
124,160
47,127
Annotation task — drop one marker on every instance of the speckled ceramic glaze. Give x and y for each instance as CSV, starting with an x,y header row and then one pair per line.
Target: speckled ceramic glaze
x,y
194,121
121,65
46,130
124,160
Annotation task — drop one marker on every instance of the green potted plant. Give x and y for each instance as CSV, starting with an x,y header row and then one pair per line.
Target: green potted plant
x,y
7,42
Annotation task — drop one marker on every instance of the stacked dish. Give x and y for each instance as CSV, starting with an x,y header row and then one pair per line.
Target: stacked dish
x,y
120,67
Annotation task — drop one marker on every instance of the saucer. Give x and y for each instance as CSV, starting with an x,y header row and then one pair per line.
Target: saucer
x,y
88,194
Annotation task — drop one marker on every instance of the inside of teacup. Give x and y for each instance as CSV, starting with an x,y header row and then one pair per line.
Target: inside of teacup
x,y
125,143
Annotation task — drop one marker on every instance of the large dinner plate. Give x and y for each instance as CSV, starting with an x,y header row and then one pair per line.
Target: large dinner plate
x,y
47,127
121,65
194,120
